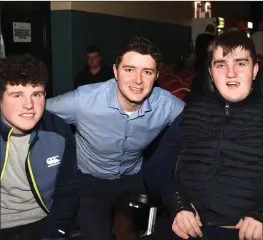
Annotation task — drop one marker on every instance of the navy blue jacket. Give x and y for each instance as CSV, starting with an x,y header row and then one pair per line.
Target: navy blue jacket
x,y
51,169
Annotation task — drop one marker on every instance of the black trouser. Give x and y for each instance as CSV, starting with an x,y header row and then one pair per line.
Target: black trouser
x,y
97,197
163,230
30,231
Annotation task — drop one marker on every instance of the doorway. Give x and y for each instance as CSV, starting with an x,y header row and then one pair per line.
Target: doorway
x,y
38,15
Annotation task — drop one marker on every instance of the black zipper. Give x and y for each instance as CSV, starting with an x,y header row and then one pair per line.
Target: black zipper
x,y
227,109
218,153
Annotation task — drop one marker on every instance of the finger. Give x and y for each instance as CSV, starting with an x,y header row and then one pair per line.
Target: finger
x,y
179,232
198,219
249,231
242,230
257,234
195,226
239,223
188,225
180,224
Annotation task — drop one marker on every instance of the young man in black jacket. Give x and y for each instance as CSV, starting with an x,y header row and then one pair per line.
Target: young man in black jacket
x,y
38,167
217,145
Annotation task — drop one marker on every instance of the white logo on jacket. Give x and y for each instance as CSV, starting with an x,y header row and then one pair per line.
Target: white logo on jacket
x,y
53,161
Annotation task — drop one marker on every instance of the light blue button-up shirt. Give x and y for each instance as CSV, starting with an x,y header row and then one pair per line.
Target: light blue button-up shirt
x,y
109,142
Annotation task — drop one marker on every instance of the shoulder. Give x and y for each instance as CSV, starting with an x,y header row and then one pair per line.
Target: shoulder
x,y
96,88
53,124
163,96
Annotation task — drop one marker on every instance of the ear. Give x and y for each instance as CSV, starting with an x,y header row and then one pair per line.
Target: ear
x,y
255,71
115,71
209,70
157,75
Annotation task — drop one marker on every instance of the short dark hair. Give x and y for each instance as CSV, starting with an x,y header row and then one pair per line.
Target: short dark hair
x,y
229,42
93,49
140,45
22,69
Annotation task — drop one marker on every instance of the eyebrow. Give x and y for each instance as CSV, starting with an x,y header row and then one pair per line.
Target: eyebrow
x,y
20,92
130,66
236,60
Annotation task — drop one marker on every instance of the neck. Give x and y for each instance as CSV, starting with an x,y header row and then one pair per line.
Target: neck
x,y
95,70
126,105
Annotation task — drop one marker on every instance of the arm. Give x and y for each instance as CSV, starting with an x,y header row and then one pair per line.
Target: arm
x,y
65,199
159,171
65,106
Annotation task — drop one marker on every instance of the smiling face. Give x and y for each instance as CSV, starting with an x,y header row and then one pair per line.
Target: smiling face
x,y
233,73
135,76
22,106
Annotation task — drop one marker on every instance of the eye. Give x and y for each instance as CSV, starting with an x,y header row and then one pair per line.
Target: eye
x,y
129,69
37,95
241,64
17,95
220,65
148,72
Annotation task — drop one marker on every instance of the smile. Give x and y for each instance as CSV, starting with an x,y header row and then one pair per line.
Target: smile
x,y
27,115
136,90
233,84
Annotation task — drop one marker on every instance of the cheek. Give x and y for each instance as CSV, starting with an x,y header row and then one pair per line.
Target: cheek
x,y
39,107
10,106
9,112
125,78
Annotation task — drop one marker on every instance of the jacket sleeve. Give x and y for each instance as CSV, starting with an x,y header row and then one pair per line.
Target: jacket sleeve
x,y
65,198
257,212
65,106
159,171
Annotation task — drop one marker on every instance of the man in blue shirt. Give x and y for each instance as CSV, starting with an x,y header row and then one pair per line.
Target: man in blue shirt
x,y
115,122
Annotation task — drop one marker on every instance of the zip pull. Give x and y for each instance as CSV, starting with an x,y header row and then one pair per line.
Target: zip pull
x,y
227,109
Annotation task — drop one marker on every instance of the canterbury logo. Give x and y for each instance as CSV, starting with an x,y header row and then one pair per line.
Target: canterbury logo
x,y
53,161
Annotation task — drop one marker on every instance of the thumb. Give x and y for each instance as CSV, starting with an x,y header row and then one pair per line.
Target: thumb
x,y
239,224
198,220
197,216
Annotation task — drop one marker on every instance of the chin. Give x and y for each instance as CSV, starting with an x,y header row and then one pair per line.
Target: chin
x,y
235,99
26,127
136,99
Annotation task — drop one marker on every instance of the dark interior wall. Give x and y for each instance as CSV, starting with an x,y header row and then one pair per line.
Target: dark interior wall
x,y
106,31
62,46
38,14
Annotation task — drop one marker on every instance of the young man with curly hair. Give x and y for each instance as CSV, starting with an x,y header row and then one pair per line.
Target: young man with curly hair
x,y
38,158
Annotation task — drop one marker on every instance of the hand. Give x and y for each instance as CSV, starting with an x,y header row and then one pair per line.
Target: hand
x,y
186,223
249,229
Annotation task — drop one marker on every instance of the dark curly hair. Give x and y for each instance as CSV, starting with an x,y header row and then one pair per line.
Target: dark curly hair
x,y
140,45
22,69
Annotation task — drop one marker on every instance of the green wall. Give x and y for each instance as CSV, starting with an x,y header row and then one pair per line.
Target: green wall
x,y
73,31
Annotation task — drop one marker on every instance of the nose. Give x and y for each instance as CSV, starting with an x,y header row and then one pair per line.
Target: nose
x,y
138,80
231,72
28,103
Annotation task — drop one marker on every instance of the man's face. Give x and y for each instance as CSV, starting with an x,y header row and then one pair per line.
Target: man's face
x,y
233,74
135,74
22,106
93,59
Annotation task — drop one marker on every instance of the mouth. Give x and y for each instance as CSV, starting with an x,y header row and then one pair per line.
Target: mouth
x,y
27,115
136,90
233,84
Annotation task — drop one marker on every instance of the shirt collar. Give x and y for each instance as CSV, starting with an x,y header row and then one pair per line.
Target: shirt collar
x,y
113,101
